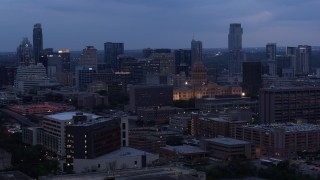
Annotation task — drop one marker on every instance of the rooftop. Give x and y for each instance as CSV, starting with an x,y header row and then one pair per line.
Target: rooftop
x,y
185,149
123,152
65,116
227,141
288,127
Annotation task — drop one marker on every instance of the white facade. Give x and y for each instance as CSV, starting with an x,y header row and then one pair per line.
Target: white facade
x,y
125,158
29,76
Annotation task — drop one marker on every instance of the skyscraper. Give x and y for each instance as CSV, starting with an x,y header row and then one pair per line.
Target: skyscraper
x,y
303,59
271,51
196,50
235,37
111,52
183,61
89,58
37,42
235,49
24,52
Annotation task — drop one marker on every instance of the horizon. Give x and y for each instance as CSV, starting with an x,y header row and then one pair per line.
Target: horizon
x,y
139,24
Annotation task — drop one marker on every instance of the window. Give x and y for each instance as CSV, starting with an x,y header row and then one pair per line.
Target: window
x,y
123,125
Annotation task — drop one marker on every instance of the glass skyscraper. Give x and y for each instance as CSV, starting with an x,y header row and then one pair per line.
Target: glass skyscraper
x,y
111,52
37,42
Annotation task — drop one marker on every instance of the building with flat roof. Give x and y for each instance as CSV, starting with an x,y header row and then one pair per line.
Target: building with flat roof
x,y
91,138
282,140
228,148
54,127
150,96
186,153
210,126
121,159
290,104
158,114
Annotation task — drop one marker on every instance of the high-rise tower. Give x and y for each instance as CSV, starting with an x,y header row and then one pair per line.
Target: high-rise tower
x,y
24,52
303,59
235,37
235,49
271,52
111,52
37,42
196,51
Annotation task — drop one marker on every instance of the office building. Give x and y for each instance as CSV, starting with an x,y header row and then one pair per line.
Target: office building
x,y
251,78
157,115
235,37
37,42
196,51
281,140
183,61
29,77
84,76
236,56
88,138
271,52
285,66
25,52
303,59
225,148
111,52
212,126
166,62
89,58
290,104
150,96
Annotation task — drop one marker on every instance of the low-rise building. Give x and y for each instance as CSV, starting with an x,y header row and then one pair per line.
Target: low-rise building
x,y
124,158
157,114
185,153
228,148
281,140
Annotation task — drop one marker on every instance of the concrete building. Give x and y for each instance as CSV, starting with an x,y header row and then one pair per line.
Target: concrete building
x,y
28,77
228,148
157,115
289,104
202,126
89,58
124,158
166,62
186,153
90,138
54,130
150,96
271,52
303,59
226,104
149,139
281,140
30,135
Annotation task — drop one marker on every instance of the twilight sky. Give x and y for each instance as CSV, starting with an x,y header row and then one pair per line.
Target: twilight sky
x,y
74,24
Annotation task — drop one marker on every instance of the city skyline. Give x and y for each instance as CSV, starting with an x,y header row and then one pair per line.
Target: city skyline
x,y
158,24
